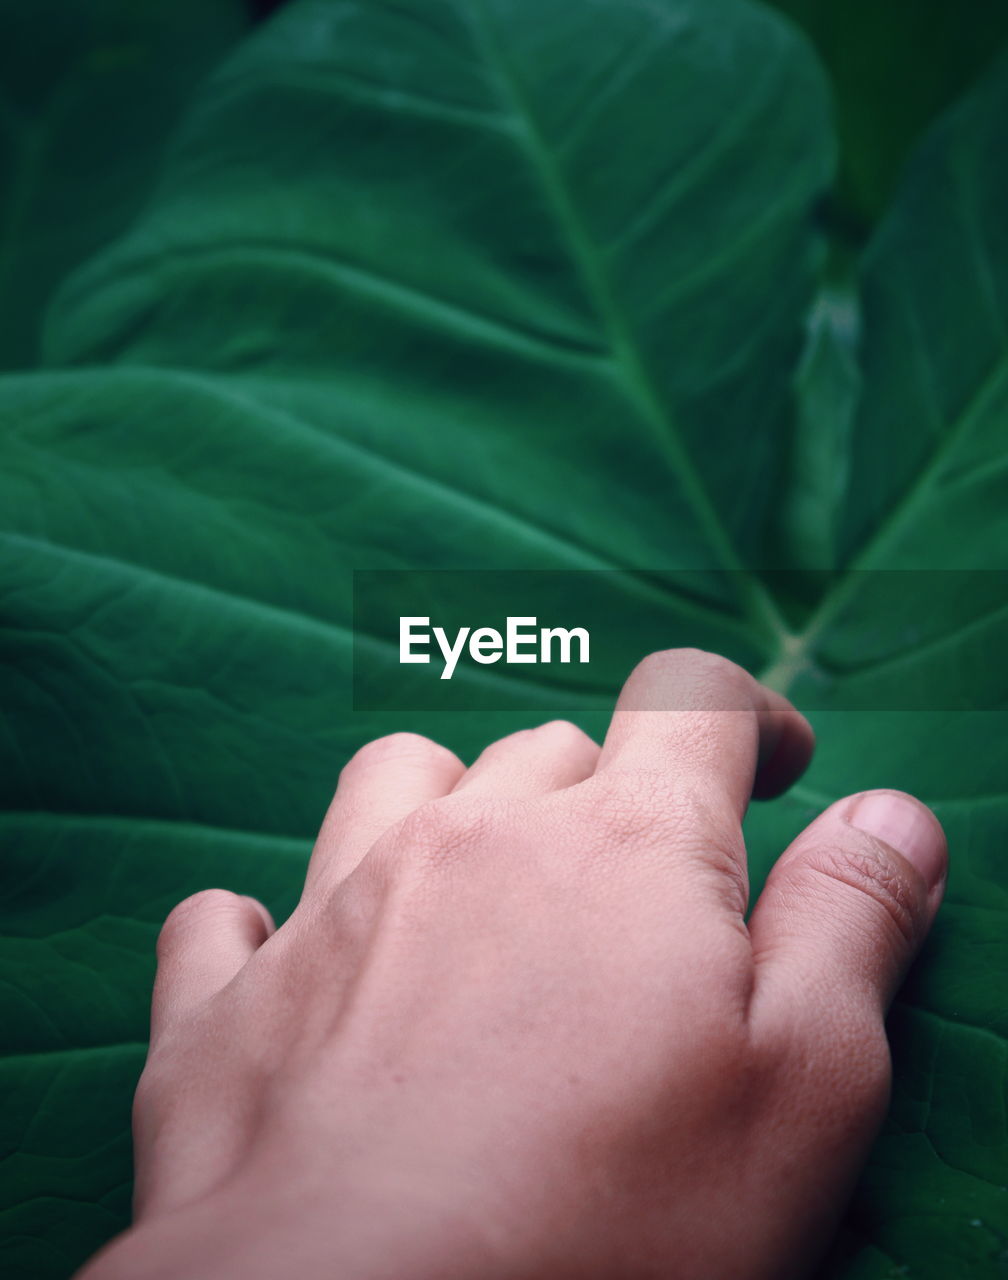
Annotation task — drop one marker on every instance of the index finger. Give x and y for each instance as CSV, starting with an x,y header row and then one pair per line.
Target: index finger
x,y
709,726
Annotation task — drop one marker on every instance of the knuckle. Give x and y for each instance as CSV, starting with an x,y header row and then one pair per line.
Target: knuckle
x,y
563,732
721,869
559,735
198,906
633,809
870,869
426,827
705,819
402,747
506,746
436,828
627,804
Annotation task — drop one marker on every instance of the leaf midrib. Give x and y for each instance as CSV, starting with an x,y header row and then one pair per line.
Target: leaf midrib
x,y
756,599
797,655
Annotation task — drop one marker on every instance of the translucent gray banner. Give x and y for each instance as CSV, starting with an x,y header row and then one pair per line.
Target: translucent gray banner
x,y
560,642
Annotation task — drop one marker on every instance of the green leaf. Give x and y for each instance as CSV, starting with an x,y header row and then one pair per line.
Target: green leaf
x,y
466,217
928,458
88,94
511,286
894,67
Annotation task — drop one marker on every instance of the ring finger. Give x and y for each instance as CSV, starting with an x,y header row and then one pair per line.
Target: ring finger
x,y
532,762
379,786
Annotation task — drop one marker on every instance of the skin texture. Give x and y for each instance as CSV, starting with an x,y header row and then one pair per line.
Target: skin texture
x,y
518,1027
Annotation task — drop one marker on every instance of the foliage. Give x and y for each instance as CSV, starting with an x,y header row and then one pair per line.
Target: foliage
x,y
488,284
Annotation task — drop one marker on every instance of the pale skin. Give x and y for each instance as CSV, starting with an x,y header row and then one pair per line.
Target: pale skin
x,y
518,1027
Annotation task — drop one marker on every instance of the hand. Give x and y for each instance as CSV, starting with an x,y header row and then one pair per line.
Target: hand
x,y
517,1026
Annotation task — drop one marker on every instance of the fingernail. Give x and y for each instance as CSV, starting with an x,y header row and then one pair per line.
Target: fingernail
x,y
907,826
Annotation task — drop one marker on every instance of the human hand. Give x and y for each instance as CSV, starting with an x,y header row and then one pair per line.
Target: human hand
x,y
517,1026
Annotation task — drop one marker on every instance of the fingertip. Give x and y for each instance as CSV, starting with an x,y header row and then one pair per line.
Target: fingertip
x,y
906,825
789,753
212,913
851,900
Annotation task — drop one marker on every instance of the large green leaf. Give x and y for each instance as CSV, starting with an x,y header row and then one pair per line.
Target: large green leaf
x,y
491,285
562,221
88,93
